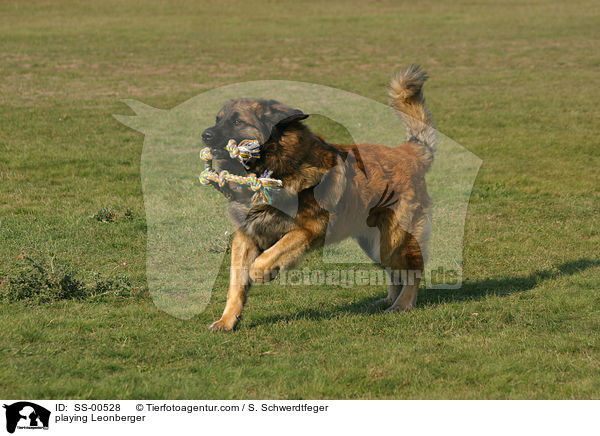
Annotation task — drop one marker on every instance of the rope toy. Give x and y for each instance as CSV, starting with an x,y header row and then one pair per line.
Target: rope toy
x,y
243,152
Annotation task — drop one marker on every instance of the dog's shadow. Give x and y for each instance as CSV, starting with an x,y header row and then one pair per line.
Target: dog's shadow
x,y
431,297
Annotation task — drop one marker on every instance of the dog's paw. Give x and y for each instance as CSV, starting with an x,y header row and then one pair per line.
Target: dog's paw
x,y
222,325
262,272
398,308
383,302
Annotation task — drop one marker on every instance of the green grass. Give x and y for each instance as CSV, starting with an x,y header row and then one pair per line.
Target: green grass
x,y
515,83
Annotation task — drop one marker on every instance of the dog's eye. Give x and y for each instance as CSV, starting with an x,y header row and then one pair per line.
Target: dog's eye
x,y
237,122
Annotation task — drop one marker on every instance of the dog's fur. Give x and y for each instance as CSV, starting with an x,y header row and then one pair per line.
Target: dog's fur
x,y
332,184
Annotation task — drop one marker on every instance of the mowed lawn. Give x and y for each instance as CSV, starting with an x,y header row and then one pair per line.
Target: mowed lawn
x,y
516,83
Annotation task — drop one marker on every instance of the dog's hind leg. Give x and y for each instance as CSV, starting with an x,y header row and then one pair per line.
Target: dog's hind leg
x,y
409,260
394,287
400,253
243,253
412,255
370,242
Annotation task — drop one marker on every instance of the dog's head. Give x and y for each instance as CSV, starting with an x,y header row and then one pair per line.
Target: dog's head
x,y
245,118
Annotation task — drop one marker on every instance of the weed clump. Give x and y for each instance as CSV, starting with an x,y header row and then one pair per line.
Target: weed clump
x,y
46,282
105,215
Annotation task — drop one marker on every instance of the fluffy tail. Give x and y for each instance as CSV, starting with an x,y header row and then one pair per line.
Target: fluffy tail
x,y
406,98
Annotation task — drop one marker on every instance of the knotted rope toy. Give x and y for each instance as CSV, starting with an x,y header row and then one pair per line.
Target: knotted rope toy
x,y
243,152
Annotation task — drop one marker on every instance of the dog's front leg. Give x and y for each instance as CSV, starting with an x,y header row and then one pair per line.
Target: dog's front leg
x,y
243,253
283,254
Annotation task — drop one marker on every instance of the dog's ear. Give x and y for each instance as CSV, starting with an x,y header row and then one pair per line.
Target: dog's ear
x,y
282,114
277,114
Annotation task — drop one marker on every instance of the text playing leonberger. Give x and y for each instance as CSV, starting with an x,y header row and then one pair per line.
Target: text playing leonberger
x,y
373,193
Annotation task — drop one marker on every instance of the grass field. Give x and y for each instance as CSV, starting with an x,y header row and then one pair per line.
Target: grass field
x,y
515,83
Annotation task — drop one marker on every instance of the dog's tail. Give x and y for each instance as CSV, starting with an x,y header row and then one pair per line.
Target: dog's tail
x,y
406,98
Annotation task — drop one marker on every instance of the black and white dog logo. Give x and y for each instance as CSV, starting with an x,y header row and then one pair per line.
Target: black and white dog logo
x,y
26,415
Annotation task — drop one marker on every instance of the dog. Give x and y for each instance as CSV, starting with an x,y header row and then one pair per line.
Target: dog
x,y
373,193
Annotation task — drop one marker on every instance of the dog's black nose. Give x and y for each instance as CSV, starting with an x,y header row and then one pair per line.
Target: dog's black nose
x,y
208,135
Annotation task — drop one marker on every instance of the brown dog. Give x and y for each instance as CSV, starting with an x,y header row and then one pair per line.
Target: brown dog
x,y
373,193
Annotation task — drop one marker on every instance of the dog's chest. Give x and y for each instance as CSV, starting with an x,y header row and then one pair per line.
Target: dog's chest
x,y
265,224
